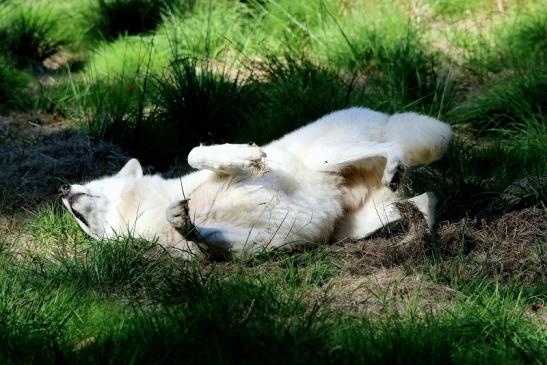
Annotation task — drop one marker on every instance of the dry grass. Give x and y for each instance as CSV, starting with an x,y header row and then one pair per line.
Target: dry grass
x,y
512,246
382,276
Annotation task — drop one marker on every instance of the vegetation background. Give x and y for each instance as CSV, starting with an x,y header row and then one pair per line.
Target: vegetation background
x,y
84,84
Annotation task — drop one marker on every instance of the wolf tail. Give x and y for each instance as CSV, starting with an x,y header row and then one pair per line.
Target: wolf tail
x,y
423,139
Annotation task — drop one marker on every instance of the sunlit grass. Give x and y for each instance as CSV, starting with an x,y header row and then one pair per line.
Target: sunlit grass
x,y
29,35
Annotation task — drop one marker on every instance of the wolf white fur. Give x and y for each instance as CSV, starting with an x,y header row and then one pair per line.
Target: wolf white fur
x,y
334,178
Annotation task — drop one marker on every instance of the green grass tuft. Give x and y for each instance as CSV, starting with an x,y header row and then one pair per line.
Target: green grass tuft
x,y
54,225
12,85
298,92
506,104
28,35
403,75
194,104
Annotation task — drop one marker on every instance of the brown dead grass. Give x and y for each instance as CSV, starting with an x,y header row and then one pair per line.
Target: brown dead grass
x,y
30,126
512,247
382,274
61,59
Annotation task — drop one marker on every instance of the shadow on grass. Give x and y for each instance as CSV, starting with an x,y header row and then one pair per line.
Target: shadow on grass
x,y
32,170
202,317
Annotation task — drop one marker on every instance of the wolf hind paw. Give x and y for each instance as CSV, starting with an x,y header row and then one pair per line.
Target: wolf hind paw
x,y
178,215
393,176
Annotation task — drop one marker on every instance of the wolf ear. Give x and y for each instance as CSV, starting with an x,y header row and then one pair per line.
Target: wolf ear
x,y
131,168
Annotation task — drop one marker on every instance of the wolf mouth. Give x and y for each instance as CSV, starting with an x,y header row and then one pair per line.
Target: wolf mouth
x,y
71,200
79,216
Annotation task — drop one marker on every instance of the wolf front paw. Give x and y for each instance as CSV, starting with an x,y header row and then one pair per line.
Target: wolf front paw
x,y
393,175
178,215
249,158
231,159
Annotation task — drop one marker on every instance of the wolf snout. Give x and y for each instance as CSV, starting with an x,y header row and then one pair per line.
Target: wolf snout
x,y
64,190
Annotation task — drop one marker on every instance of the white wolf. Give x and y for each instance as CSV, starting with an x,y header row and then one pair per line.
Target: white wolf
x,y
334,178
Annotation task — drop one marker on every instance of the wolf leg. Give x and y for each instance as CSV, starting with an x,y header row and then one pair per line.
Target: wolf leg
x,y
361,155
229,159
377,215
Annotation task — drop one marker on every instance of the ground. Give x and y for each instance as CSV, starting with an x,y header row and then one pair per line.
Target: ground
x,y
94,85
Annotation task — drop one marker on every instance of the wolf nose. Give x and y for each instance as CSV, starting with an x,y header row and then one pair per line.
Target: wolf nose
x,y
64,190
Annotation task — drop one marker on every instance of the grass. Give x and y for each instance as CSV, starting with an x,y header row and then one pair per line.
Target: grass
x,y
195,100
120,17
29,35
113,300
299,91
506,104
128,56
12,85
473,178
458,8
158,77
189,93
110,19
211,32
519,45
404,75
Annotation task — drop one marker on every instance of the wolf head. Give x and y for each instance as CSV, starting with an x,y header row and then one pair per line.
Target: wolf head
x,y
95,205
